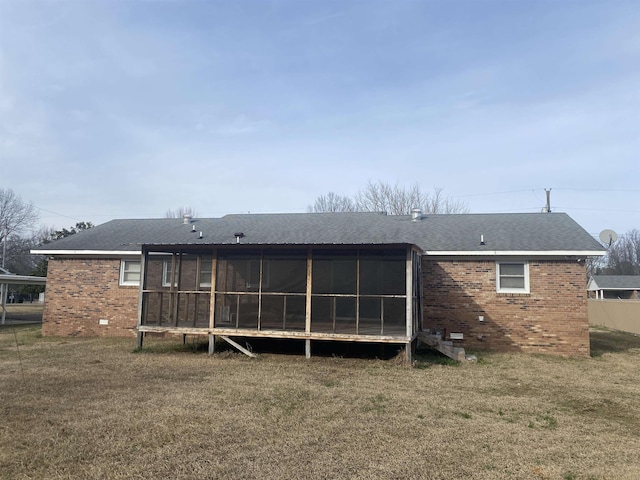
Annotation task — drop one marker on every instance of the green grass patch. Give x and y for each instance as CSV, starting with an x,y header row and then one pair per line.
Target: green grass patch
x,y
465,415
604,340
23,334
425,358
377,404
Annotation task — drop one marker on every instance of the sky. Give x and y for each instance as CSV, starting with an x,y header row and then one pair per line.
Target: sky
x,y
129,108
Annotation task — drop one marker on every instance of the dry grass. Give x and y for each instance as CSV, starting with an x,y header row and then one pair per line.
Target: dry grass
x,y
19,308
93,408
24,312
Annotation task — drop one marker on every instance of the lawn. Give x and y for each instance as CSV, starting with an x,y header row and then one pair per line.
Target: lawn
x,y
95,408
24,312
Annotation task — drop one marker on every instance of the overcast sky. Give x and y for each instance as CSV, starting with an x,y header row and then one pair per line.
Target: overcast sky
x,y
125,109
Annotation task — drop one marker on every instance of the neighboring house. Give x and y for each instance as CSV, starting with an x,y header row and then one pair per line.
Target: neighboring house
x,y
614,302
506,282
622,287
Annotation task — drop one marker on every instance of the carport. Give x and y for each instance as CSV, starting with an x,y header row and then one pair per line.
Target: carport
x,y
7,279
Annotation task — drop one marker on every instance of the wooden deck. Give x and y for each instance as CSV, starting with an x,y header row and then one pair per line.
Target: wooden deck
x,y
241,332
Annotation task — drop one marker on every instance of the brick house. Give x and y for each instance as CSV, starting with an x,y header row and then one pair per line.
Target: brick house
x,y
619,287
505,282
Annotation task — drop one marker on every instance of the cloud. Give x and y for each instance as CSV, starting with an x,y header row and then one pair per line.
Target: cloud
x,y
131,108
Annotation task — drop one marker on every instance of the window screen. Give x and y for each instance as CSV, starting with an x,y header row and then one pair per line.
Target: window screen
x,y
512,277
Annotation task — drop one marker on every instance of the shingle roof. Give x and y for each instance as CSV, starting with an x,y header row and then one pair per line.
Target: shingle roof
x,y
525,232
615,282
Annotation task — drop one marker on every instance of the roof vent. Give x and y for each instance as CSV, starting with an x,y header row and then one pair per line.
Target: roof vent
x,y
186,219
416,215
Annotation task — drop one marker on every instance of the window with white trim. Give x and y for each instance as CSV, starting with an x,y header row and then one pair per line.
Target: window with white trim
x,y
205,272
130,272
512,277
166,274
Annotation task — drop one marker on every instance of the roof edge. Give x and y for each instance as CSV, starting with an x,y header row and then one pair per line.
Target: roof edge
x,y
10,279
436,253
85,252
513,253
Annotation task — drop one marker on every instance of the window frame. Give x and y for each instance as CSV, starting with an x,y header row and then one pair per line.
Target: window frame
x,y
525,289
166,269
208,261
124,271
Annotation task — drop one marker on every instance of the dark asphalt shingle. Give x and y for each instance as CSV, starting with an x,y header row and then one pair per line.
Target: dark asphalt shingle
x,y
617,282
458,232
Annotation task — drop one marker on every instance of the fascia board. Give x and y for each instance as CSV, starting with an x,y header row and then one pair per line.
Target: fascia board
x,y
514,253
22,280
110,253
441,253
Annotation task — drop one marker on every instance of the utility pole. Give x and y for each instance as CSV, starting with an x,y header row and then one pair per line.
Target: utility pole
x,y
4,287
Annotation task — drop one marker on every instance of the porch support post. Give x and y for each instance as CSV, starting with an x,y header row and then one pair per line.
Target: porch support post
x,y
212,298
212,301
408,352
141,299
409,294
307,317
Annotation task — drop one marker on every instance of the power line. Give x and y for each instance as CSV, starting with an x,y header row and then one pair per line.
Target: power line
x,y
56,213
599,209
496,193
486,194
600,190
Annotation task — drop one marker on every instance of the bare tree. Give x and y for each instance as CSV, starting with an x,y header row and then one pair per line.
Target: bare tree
x,y
382,197
392,199
180,212
18,254
623,256
332,203
15,217
594,266
21,261
438,203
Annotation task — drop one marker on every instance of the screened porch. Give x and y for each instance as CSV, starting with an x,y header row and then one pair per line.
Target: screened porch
x,y
363,293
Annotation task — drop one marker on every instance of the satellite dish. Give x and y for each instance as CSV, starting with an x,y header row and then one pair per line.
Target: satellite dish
x,y
608,236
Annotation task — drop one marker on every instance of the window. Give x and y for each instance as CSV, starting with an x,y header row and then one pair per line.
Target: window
x,y
130,272
166,274
512,277
205,272
188,272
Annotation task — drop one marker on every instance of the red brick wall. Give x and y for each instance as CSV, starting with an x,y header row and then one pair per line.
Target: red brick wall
x,y
81,292
552,318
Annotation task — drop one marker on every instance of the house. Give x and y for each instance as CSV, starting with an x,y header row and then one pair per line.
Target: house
x,y
615,302
623,287
506,282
